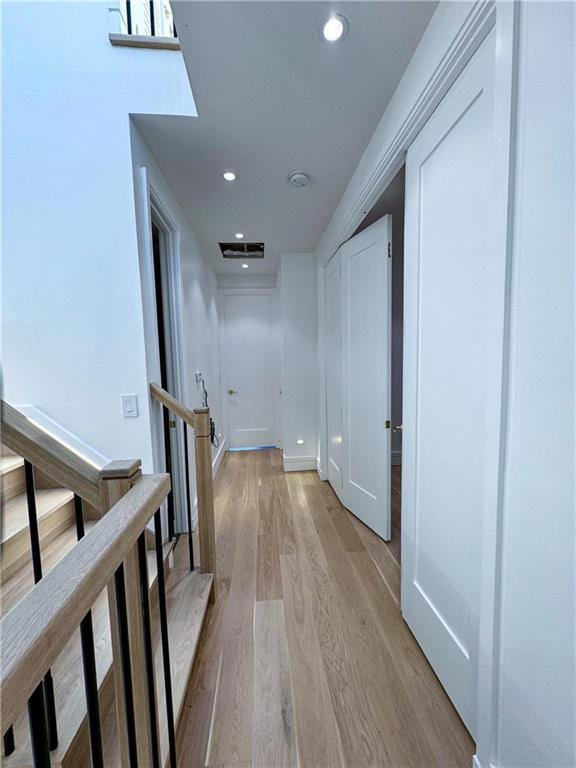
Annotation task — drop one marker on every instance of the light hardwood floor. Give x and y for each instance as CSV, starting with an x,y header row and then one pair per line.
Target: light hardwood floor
x,y
305,659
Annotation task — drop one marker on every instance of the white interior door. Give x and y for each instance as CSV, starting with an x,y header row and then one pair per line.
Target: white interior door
x,y
449,340
366,316
333,290
251,356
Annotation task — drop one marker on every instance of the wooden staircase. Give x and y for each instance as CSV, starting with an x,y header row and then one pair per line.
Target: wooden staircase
x,y
188,594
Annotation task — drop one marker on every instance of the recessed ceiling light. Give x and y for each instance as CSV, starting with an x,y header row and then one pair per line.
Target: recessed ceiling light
x,y
335,28
229,176
244,266
239,236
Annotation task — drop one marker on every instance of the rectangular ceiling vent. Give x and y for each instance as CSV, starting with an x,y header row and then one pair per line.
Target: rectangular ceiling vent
x,y
242,250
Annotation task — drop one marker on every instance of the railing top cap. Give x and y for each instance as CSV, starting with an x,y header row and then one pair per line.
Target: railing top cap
x,y
120,468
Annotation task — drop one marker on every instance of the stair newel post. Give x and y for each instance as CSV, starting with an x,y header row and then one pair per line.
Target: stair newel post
x,y
126,627
205,493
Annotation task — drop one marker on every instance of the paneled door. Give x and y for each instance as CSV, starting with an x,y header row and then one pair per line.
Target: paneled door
x,y
251,368
366,382
333,303
452,284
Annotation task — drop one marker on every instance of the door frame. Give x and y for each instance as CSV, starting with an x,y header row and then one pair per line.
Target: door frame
x,y
412,106
152,208
222,293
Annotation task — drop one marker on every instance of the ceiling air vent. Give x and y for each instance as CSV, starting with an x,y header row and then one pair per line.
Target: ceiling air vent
x,y
242,250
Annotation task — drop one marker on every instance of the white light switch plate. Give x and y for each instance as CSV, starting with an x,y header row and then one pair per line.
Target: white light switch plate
x,y
130,406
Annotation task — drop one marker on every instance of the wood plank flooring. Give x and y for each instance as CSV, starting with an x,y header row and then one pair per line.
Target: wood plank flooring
x,y
305,659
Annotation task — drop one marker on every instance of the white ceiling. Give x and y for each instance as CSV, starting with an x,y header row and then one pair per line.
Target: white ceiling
x,y
273,97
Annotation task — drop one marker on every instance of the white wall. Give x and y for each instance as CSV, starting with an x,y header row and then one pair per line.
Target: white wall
x,y
247,280
199,295
72,314
298,323
534,714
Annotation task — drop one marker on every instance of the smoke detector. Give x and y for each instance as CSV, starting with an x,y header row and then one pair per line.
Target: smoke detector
x,y
298,179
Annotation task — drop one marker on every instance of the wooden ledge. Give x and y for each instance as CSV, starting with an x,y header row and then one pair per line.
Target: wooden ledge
x,y
120,468
145,41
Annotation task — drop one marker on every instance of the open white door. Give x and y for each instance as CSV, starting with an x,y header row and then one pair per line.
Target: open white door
x,y
366,316
452,283
333,290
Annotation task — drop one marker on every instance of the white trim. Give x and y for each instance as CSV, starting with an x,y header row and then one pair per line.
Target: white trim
x,y
222,293
298,463
150,203
217,460
71,441
477,764
505,105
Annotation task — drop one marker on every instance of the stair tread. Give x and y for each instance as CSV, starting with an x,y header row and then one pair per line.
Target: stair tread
x,y
67,674
13,589
9,463
15,511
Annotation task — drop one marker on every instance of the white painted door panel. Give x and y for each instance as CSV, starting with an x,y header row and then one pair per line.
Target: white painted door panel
x,y
250,369
366,315
334,372
449,337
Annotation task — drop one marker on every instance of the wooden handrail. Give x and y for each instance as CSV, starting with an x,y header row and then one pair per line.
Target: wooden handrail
x,y
160,394
34,632
45,452
199,421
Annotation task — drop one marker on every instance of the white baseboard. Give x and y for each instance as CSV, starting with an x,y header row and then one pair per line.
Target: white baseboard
x,y
71,441
396,458
217,460
476,763
299,463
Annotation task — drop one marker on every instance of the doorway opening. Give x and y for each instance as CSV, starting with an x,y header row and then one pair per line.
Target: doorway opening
x,y
392,202
158,250
162,308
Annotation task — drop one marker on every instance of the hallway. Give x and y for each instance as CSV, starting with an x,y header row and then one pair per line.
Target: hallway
x,y
305,659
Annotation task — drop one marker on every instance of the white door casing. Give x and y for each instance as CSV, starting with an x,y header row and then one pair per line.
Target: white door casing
x,y
366,340
333,292
451,283
250,362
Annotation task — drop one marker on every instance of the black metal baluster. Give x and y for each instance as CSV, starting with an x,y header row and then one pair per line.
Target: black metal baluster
x,y
152,19
164,636
9,745
120,588
128,17
37,568
89,665
38,728
148,650
188,499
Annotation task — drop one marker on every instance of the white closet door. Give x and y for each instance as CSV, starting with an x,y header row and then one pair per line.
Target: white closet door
x,y
451,289
366,314
334,372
